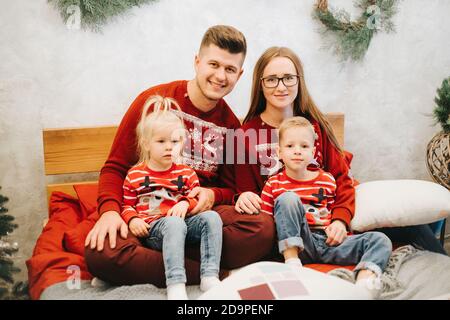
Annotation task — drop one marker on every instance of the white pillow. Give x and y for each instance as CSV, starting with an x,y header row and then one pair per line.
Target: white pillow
x,y
280,281
395,203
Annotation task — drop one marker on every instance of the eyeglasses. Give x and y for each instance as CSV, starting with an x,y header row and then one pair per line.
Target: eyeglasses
x,y
288,80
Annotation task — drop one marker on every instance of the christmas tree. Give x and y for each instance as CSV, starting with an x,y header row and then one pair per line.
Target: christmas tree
x,y
441,112
8,290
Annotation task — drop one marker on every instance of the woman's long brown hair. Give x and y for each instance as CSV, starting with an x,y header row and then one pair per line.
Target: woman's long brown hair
x,y
303,103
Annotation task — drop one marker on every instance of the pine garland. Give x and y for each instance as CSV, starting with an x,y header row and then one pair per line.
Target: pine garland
x,y
352,38
94,13
441,112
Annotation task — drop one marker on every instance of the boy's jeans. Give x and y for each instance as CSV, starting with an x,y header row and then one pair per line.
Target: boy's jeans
x,y
370,250
169,235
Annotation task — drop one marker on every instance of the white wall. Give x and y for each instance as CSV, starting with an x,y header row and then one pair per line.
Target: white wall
x,y
54,77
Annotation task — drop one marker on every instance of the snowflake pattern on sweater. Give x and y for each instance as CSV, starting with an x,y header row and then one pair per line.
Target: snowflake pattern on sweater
x,y
204,149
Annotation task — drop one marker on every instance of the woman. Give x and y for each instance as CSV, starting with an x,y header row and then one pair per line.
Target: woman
x,y
279,91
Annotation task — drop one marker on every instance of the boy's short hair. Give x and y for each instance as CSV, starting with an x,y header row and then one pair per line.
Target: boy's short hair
x,y
298,122
225,37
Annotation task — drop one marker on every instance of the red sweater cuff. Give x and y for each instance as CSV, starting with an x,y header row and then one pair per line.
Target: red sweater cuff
x,y
223,196
109,205
192,202
127,217
217,196
342,214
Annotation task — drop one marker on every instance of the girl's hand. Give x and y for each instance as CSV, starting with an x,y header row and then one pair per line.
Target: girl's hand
x,y
139,227
179,210
248,202
336,233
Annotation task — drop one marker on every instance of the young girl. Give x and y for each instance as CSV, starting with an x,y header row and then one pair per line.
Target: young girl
x,y
300,200
155,203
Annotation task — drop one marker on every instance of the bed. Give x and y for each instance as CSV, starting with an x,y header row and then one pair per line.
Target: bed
x,y
57,270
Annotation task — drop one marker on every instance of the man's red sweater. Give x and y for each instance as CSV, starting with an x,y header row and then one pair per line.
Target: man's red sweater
x,y
252,177
207,132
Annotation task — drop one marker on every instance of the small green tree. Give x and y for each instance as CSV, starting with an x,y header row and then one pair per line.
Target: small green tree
x,y
8,290
441,112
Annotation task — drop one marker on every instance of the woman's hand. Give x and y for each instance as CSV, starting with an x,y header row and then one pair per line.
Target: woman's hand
x,y
139,227
107,225
205,199
179,210
248,202
336,233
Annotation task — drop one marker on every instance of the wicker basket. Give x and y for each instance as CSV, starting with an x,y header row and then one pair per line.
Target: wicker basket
x,y
438,158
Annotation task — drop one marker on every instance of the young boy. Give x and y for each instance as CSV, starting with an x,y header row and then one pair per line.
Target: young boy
x,y
301,200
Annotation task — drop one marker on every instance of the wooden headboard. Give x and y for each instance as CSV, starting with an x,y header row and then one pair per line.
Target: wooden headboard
x,y
82,150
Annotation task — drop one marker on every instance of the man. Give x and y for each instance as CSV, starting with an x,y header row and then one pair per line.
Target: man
x,y
246,238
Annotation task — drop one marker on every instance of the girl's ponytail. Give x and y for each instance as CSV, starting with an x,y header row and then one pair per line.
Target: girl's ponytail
x,y
155,108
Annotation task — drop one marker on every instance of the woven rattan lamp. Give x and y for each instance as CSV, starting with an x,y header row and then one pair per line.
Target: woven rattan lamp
x,y
438,158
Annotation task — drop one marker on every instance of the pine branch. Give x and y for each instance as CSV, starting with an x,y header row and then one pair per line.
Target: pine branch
x,y
6,226
7,268
18,291
441,112
8,251
95,13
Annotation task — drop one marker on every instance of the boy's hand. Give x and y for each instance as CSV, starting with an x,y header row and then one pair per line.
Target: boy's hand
x,y
336,233
179,210
138,227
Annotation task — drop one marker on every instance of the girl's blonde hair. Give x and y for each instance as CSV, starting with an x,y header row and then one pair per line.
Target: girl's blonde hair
x,y
303,103
296,122
157,111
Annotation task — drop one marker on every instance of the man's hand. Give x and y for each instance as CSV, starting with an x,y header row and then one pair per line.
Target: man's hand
x,y
179,210
205,199
336,233
108,224
248,202
139,227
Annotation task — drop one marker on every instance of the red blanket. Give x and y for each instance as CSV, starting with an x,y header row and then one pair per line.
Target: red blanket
x,y
51,261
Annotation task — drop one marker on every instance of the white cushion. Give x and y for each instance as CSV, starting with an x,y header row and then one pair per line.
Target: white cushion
x,y
442,297
392,203
274,280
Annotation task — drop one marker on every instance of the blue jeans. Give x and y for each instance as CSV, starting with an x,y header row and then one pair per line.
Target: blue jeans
x,y
169,235
370,250
419,236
